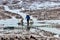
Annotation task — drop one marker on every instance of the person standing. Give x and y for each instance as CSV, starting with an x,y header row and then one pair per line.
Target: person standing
x,y
28,18
22,21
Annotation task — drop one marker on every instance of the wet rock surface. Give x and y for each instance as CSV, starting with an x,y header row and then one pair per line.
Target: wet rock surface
x,y
8,15
44,14
29,35
33,34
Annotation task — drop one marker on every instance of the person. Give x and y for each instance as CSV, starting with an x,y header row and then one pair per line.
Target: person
x,y
22,21
28,18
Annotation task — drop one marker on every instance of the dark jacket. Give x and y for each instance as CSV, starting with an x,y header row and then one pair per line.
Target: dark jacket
x,y
27,17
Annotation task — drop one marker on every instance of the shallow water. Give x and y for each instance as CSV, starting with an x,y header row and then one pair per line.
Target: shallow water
x,y
9,22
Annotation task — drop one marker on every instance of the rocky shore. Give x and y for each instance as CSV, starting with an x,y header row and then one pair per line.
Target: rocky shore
x,y
33,34
8,15
45,14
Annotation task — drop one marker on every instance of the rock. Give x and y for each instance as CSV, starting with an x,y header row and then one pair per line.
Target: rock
x,y
32,37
